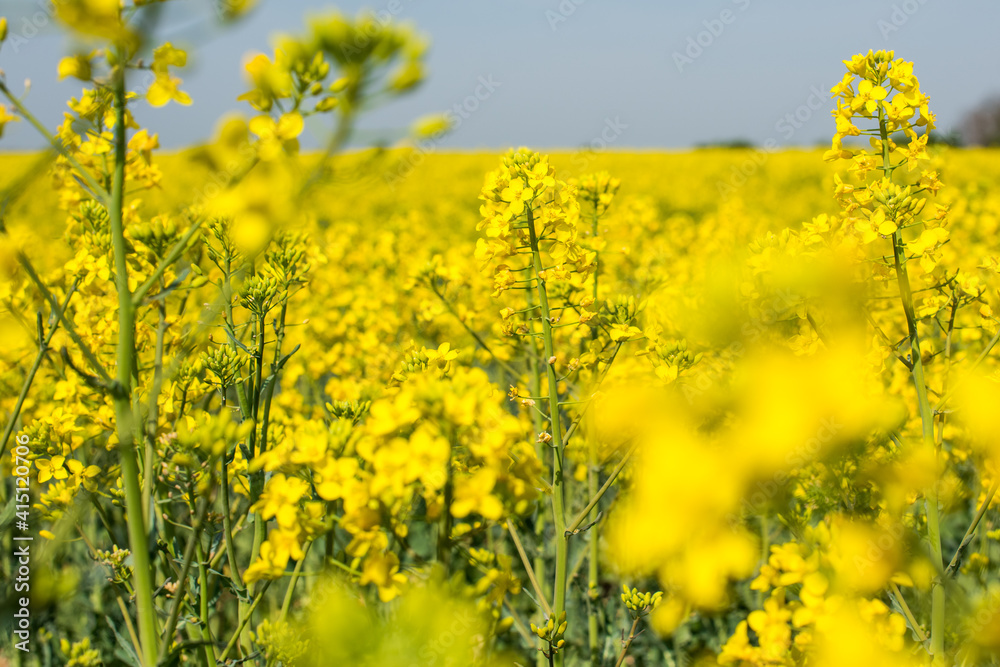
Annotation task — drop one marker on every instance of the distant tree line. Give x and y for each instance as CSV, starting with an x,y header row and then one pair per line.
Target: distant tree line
x,y
978,127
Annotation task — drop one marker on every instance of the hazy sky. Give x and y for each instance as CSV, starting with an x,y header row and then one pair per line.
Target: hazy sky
x,y
631,73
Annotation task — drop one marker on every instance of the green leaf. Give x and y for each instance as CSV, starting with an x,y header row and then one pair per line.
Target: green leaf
x,y
125,650
7,515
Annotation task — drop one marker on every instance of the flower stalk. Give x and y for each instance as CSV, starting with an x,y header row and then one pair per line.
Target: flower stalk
x,y
558,478
125,421
923,406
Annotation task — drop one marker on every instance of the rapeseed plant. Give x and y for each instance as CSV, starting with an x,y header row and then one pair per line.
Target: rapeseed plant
x,y
292,422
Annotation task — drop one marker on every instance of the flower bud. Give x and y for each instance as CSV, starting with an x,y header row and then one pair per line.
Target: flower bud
x,y
326,104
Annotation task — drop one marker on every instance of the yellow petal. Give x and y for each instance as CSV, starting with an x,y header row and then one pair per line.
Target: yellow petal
x,y
262,126
290,125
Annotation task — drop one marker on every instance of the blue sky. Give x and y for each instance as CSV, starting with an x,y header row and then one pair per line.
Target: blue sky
x,y
570,73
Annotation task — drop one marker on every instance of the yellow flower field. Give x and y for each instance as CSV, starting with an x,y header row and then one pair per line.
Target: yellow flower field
x,y
397,407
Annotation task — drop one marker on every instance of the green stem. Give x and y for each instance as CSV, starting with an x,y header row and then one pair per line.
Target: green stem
x,y
444,527
296,573
92,359
593,472
910,618
627,642
118,596
982,355
124,418
227,525
243,622
558,478
535,380
583,413
592,563
256,478
175,607
43,348
244,403
149,461
206,631
172,256
967,538
926,414
527,568
582,516
475,336
100,192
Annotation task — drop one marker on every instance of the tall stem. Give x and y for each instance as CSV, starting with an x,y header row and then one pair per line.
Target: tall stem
x,y
444,522
627,642
203,595
535,389
152,420
227,519
924,407
558,479
256,478
124,418
243,606
593,472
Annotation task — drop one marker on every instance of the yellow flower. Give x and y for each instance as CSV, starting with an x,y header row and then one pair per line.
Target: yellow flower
x,y
387,416
431,127
144,144
280,499
273,558
858,64
167,56
277,137
333,477
164,88
868,97
101,18
51,469
474,494
77,66
441,357
270,80
382,569
83,476
6,117
915,151
516,196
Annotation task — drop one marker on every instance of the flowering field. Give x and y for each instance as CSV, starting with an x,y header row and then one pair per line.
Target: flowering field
x,y
398,407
